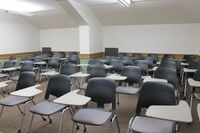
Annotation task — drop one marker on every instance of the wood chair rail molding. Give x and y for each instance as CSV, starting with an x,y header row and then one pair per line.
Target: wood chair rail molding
x,y
20,54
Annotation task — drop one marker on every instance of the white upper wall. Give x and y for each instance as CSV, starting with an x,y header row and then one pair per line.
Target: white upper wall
x,y
95,27
167,38
66,39
17,35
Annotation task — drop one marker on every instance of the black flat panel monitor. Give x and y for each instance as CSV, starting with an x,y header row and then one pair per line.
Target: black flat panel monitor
x,y
46,50
111,51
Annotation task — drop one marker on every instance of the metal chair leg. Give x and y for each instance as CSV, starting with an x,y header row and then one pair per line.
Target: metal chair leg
x,y
19,109
85,129
50,120
118,98
117,124
29,129
1,111
61,120
22,117
72,113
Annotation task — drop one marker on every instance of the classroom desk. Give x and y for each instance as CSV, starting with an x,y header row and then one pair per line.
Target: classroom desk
x,y
40,63
178,113
27,92
150,79
103,60
116,77
154,68
77,76
82,65
158,63
184,64
11,70
71,99
184,78
194,84
108,66
49,73
198,110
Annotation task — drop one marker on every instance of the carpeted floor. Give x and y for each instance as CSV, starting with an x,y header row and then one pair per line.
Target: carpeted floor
x,y
11,116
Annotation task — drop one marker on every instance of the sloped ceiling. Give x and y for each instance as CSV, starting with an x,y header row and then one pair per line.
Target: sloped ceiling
x,y
111,13
150,12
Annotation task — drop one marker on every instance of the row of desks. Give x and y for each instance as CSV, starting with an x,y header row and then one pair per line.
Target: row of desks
x,y
178,113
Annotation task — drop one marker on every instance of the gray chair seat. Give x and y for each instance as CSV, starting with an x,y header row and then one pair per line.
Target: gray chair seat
x,y
92,116
13,100
151,125
46,108
16,78
127,90
84,86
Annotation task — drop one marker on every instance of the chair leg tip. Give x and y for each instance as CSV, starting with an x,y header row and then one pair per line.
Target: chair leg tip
x,y
77,127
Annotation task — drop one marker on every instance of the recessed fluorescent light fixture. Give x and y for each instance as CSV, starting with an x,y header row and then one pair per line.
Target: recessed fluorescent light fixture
x,y
20,7
126,3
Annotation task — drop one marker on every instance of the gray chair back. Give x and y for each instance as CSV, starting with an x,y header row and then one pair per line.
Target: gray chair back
x,y
133,74
58,85
26,79
68,69
155,93
102,91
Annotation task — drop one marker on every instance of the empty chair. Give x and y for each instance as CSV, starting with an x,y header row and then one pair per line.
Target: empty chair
x,y
168,56
6,74
169,74
26,79
117,65
137,57
143,64
12,58
8,64
38,58
149,60
95,62
58,85
27,66
154,57
153,93
94,71
68,69
73,58
134,76
194,65
25,58
171,65
60,55
53,63
101,91
127,61
108,59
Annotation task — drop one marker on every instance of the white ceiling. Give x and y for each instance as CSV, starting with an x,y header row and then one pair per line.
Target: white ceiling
x,y
111,13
